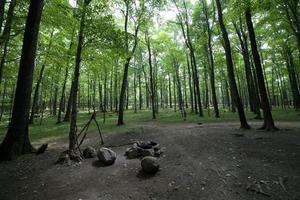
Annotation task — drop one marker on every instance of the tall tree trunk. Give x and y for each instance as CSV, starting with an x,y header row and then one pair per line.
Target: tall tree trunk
x,y
230,70
16,141
2,10
36,95
140,91
3,99
62,97
180,98
152,94
116,89
190,85
5,37
212,63
134,91
170,91
184,23
127,63
75,83
253,100
69,105
292,77
268,118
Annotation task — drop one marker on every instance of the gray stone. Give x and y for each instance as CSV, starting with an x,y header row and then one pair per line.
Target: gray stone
x,y
150,165
106,156
132,152
89,152
157,153
146,152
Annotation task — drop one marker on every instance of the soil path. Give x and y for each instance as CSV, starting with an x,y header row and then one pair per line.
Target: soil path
x,y
213,161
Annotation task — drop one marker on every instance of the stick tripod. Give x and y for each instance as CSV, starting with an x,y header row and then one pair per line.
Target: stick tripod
x,y
85,129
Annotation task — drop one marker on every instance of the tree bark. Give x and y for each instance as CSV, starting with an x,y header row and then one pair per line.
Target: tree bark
x,y
5,37
2,10
75,83
127,63
268,118
230,70
253,100
16,141
212,63
62,97
152,94
292,77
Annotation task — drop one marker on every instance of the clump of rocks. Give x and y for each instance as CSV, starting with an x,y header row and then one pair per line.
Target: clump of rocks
x,y
141,149
148,152
105,155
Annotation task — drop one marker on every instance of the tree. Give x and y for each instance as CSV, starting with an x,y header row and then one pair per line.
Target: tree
x,y
16,141
253,99
75,82
183,19
5,37
211,59
129,53
152,93
230,70
268,118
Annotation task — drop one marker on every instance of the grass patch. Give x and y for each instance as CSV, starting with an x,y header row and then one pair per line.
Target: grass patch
x,y
49,128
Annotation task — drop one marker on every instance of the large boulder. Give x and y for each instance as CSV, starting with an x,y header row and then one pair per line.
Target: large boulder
x,y
89,152
150,165
106,156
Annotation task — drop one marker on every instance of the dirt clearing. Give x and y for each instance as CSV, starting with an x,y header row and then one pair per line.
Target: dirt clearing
x,y
209,161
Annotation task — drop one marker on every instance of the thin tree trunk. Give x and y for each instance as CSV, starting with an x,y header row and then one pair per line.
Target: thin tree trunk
x,y
170,91
190,85
151,75
3,99
62,97
212,64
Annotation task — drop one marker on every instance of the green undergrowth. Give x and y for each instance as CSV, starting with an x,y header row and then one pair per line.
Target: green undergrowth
x,y
134,121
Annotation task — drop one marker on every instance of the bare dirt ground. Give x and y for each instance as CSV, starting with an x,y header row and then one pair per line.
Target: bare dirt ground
x,y
209,161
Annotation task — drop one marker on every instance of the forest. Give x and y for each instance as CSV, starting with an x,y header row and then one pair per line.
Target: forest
x,y
202,96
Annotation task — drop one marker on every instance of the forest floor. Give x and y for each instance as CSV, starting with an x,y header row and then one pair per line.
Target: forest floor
x,y
209,161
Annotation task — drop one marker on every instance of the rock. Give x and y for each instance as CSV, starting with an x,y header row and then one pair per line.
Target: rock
x,y
89,152
145,152
63,158
144,145
132,152
42,149
157,153
106,156
156,147
150,165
